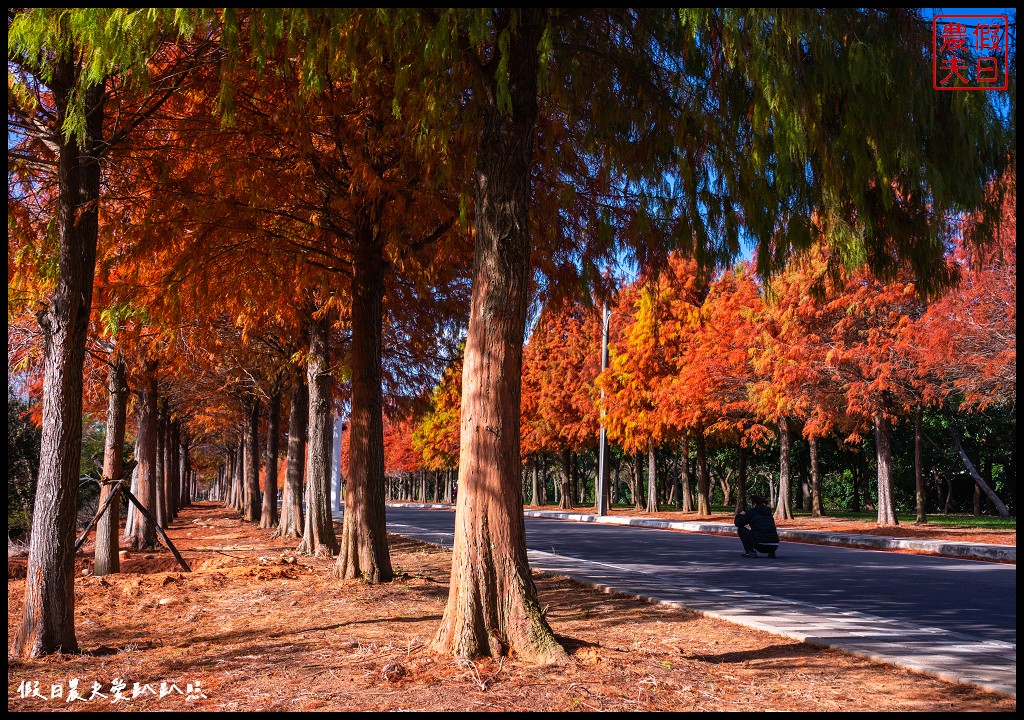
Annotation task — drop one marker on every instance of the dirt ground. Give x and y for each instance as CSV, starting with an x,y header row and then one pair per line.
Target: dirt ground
x,y
256,627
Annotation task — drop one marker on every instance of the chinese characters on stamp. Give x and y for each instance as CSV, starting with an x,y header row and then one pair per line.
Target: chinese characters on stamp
x,y
970,52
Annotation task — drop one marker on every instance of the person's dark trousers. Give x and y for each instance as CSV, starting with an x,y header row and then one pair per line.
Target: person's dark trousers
x,y
749,546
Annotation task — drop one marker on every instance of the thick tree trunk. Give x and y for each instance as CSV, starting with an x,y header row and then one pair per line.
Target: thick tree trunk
x,y
816,510
364,539
251,489
268,517
145,531
492,602
107,559
318,536
883,445
48,621
652,480
783,507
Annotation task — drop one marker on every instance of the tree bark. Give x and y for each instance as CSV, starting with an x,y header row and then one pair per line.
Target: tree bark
x,y
920,497
173,465
637,488
318,536
565,499
48,621
684,474
652,480
145,532
703,481
883,446
492,601
364,539
784,508
160,498
251,469
107,559
268,517
979,481
816,510
133,513
741,479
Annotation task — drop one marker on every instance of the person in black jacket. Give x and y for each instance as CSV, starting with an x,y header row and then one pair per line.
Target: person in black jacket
x,y
756,527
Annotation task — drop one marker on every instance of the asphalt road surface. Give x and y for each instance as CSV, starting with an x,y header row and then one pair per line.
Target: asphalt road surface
x,y
976,599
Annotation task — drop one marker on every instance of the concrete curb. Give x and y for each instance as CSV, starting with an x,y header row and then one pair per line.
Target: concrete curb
x,y
968,551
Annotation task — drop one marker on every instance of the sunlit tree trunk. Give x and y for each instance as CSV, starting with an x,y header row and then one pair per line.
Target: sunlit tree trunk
x,y
145,530
107,559
251,469
652,483
883,446
816,510
48,621
159,498
364,540
268,516
318,536
783,507
684,475
703,479
492,602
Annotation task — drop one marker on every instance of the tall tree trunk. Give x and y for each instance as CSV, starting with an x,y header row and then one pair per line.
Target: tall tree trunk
x,y
565,501
684,474
291,503
133,512
149,420
883,446
268,516
48,621
920,498
492,601
173,464
637,486
535,494
784,508
741,479
185,491
107,559
238,481
812,446
318,536
251,489
161,440
364,539
703,480
652,480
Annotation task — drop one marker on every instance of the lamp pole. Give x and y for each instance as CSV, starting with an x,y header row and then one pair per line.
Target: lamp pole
x,y
602,447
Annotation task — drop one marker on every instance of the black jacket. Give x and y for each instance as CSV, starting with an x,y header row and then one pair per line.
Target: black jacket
x,y
761,522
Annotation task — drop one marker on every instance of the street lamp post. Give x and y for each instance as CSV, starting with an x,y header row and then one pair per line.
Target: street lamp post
x,y
602,448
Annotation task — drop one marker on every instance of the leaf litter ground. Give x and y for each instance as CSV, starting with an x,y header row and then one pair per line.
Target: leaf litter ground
x,y
255,626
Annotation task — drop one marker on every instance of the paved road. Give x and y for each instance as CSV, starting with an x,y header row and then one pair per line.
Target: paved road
x,y
949,617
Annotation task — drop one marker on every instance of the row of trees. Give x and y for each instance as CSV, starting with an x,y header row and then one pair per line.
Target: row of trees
x,y
728,361
225,207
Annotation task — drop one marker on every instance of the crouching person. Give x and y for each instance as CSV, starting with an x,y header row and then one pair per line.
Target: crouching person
x,y
757,528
